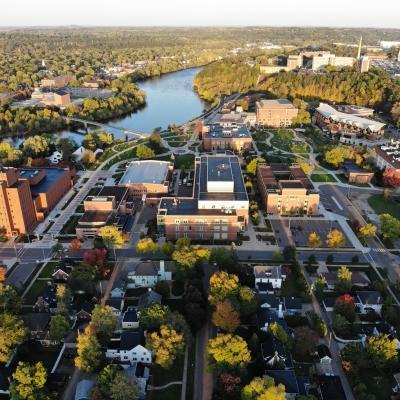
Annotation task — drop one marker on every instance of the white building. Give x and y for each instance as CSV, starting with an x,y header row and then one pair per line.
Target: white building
x,y
130,319
368,301
148,273
269,274
386,44
78,153
322,61
128,349
388,155
56,157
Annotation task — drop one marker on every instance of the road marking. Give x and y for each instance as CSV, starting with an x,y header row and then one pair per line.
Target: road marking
x,y
337,203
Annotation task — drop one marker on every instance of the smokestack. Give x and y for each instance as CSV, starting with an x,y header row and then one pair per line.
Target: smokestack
x,y
359,48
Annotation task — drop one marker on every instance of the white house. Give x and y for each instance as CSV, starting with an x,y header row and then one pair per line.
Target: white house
x,y
78,153
369,300
116,304
148,273
128,349
56,157
130,319
324,354
269,274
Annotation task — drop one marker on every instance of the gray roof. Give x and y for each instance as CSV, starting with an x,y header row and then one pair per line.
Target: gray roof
x,y
370,297
150,171
129,340
268,271
149,268
83,389
218,131
149,297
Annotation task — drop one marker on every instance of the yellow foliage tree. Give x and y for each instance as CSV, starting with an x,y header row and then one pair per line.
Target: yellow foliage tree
x,y
314,240
226,317
222,286
335,239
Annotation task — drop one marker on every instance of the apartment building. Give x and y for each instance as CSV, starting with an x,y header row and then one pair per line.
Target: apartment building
x,y
322,61
150,178
57,81
387,156
286,189
275,113
217,137
28,195
218,208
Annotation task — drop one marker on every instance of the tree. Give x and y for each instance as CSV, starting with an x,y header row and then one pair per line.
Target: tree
x,y
29,382
229,385
391,177
343,280
89,352
59,326
252,165
263,388
335,239
144,152
314,240
340,325
345,306
74,246
103,322
88,157
35,146
112,237
224,258
367,231
167,345
178,322
124,387
162,287
153,315
167,248
104,381
305,342
317,323
226,317
381,350
390,227
10,301
58,248
278,333
3,273
228,352
186,257
12,333
96,256
338,154
223,286
247,301
82,278
146,245
319,286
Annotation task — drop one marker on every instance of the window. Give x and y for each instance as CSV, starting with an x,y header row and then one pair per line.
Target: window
x,y
177,221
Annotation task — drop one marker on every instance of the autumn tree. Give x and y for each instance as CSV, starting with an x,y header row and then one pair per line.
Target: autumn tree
x,y
228,352
345,306
305,342
367,231
10,300
390,227
381,350
96,256
112,237
146,245
124,387
144,152
167,248
278,333
74,246
223,286
12,333
186,257
59,326
88,157
28,382
314,240
89,352
153,315
226,317
247,301
3,273
335,239
391,177
103,322
251,167
167,345
229,385
263,388
343,280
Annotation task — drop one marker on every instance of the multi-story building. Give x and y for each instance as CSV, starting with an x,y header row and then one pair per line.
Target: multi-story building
x,y
150,178
387,156
356,110
294,61
28,195
363,63
218,208
286,189
57,98
275,113
217,137
57,81
336,121
322,61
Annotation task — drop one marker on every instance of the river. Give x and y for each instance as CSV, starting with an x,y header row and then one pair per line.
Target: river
x,y
170,99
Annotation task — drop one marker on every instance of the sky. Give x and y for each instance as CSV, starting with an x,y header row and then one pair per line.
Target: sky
x,y
351,13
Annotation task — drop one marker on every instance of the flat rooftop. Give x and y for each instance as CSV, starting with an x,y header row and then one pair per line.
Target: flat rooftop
x,y
218,131
49,180
189,207
277,103
150,171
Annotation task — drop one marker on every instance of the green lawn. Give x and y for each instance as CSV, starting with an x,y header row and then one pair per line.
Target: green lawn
x,y
323,178
283,139
34,292
381,206
48,269
170,393
185,161
163,376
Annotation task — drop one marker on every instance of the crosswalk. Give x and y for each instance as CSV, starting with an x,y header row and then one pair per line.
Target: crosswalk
x,y
379,250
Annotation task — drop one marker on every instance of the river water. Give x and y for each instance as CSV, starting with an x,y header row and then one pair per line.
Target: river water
x,y
170,99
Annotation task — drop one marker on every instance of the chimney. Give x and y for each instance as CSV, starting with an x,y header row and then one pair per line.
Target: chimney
x,y
280,311
162,267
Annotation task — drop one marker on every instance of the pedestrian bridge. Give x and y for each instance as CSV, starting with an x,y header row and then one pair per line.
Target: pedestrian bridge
x,y
87,123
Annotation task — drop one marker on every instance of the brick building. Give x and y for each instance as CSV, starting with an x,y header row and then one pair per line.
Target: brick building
x,y
286,189
217,137
275,113
57,81
218,208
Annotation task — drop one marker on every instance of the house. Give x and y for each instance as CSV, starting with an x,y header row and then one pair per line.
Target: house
x,y
148,273
267,317
292,305
269,274
78,153
359,279
5,376
118,291
116,304
83,389
329,303
265,288
128,349
47,301
369,300
324,354
130,319
269,301
396,388
330,388
275,355
149,297
287,378
38,324
56,157
141,374
61,274
85,311
356,174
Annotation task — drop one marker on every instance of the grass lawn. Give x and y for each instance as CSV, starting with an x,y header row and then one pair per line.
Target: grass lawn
x,y
163,376
185,161
127,155
48,269
323,178
382,206
34,292
283,139
170,393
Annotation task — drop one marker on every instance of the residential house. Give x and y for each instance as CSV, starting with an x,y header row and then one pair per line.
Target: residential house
x,y
359,279
275,355
289,379
266,317
116,304
130,319
272,274
324,354
56,157
292,305
329,303
368,301
148,273
118,291
85,311
265,288
128,349
149,297
38,325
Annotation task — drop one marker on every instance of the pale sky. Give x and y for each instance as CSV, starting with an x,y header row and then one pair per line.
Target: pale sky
x,y
352,13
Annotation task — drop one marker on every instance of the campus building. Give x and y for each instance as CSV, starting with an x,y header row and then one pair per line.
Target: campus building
x,y
286,189
150,178
356,174
218,208
57,98
275,113
217,137
322,61
57,81
387,156
348,125
28,195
